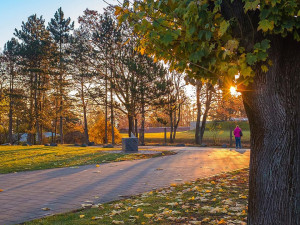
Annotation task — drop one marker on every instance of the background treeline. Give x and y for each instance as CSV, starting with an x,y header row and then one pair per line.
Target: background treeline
x,y
80,84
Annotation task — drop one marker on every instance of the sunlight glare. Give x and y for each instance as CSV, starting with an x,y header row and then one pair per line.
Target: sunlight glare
x,y
233,91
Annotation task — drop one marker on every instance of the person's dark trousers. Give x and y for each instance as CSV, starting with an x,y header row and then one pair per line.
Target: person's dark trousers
x,y
238,142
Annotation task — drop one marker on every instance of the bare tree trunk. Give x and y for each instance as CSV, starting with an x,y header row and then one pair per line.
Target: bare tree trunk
x,y
176,123
60,116
130,124
55,121
61,94
36,110
86,132
136,127
198,102
273,107
171,127
17,130
142,133
31,122
106,109
112,114
10,115
209,93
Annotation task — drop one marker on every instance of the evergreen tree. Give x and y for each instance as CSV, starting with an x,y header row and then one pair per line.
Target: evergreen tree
x,y
35,49
11,50
60,28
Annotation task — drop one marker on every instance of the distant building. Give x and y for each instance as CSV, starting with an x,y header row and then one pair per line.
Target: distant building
x,y
23,137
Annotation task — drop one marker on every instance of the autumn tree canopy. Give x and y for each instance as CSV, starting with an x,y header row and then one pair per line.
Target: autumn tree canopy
x,y
258,39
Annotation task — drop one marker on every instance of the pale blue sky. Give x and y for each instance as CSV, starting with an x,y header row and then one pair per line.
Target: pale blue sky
x,y
13,12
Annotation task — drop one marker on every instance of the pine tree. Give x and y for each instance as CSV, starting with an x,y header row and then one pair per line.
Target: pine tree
x,y
11,50
60,28
35,49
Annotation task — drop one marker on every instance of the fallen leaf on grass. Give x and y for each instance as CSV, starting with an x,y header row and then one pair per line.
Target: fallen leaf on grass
x,y
148,215
172,204
81,216
192,198
243,196
222,221
206,219
139,210
97,217
117,222
195,222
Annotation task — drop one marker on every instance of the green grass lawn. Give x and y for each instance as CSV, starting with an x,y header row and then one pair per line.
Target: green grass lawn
x,y
24,158
221,199
188,137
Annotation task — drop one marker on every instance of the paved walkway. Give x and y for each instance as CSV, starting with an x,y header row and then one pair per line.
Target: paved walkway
x,y
27,193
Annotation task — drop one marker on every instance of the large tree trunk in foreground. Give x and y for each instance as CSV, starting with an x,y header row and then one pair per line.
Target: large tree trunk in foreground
x,y
272,103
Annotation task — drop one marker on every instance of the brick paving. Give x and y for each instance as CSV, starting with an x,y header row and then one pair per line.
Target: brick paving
x,y
25,194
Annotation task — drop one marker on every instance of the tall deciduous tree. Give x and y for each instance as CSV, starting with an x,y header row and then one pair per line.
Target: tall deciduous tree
x,y
60,28
259,39
80,51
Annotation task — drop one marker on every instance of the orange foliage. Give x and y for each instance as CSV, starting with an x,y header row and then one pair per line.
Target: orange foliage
x,y
97,131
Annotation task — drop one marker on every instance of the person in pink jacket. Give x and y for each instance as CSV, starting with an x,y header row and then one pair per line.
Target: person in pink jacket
x,y
238,134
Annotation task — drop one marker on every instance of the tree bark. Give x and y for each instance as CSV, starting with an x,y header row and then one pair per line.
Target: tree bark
x,y
136,127
142,133
86,132
198,102
130,124
11,103
106,114
272,103
176,121
61,93
112,114
171,127
209,93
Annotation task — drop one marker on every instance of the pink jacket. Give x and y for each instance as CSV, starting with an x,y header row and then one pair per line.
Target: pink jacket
x,y
237,132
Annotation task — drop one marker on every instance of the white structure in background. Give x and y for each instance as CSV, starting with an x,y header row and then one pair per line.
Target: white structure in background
x,y
193,124
23,137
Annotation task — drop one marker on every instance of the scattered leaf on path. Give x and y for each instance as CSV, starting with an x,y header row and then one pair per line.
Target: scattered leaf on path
x,y
45,209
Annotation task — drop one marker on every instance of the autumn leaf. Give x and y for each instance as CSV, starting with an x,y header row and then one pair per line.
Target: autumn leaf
x,y
148,215
139,210
81,216
222,221
97,217
46,209
117,222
